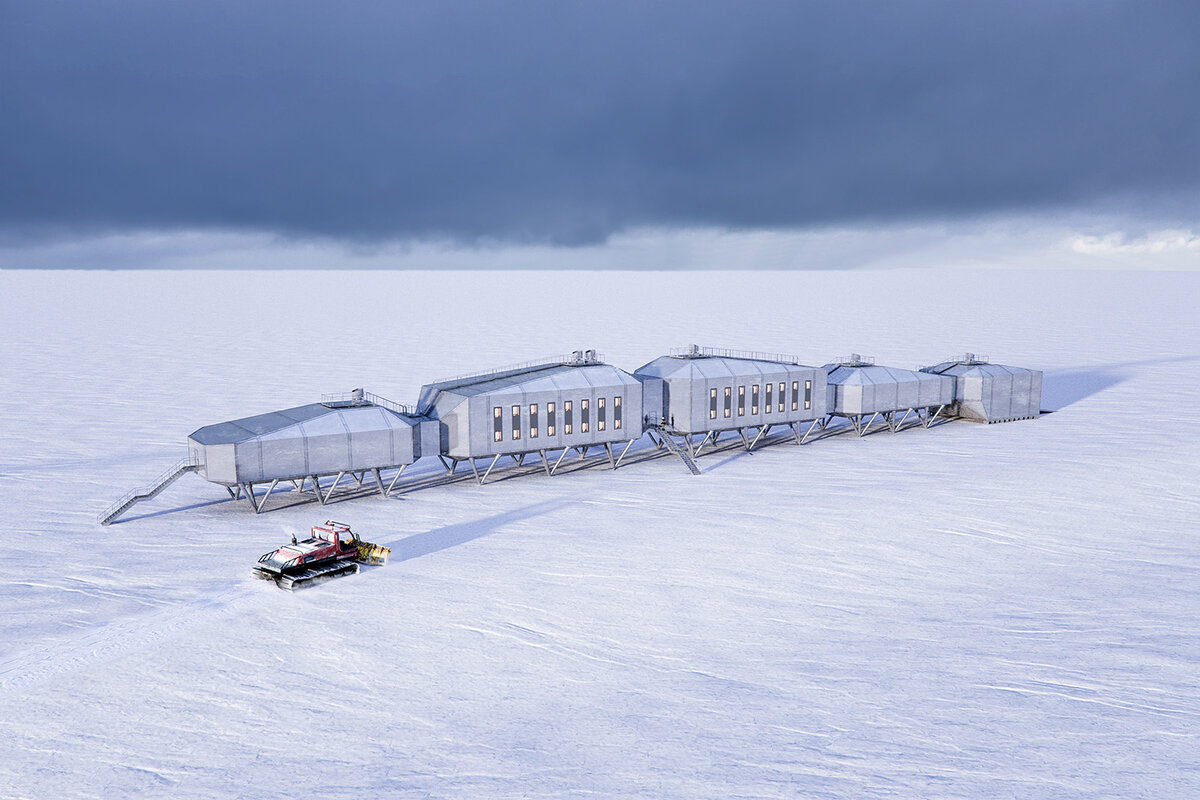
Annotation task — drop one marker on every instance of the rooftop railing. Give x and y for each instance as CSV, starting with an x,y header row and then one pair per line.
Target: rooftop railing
x,y
695,351
579,358
358,397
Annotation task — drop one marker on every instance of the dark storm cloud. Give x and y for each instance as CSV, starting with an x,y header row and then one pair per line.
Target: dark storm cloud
x,y
564,121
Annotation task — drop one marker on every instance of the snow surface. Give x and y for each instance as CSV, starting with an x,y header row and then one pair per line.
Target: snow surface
x,y
968,611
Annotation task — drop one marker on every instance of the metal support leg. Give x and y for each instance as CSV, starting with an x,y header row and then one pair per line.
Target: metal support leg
x,y
865,428
317,488
628,445
489,469
270,489
449,467
336,481
231,494
608,449
582,452
379,482
761,432
902,420
395,478
250,496
810,430
471,461
745,441
545,463
560,458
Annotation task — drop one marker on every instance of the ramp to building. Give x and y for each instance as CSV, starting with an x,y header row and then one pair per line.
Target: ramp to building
x,y
135,496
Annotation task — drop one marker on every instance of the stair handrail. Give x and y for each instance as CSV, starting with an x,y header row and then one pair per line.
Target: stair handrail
x,y
192,461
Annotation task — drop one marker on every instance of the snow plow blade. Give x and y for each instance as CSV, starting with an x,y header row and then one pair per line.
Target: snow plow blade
x,y
373,553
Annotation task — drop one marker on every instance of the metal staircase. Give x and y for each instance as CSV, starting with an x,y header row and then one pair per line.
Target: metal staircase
x,y
146,492
674,447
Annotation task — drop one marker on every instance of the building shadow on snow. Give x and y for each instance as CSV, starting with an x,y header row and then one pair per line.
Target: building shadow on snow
x,y
1061,388
422,544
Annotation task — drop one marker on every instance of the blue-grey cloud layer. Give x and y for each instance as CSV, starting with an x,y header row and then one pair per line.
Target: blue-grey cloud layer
x,y
564,122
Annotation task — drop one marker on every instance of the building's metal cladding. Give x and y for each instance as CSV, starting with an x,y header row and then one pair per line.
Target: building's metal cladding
x,y
698,390
857,388
315,439
992,392
576,401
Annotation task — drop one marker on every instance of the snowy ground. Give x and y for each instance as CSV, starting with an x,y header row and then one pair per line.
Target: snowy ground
x,y
970,611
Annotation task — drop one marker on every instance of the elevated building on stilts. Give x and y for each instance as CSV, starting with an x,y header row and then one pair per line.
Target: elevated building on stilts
x,y
698,393
864,393
559,405
313,447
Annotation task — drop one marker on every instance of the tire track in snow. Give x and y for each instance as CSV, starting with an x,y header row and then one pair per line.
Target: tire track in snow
x,y
107,642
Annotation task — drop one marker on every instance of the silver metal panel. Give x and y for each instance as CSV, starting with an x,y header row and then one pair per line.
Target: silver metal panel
x,y
689,381
309,440
468,427
870,389
428,442
992,392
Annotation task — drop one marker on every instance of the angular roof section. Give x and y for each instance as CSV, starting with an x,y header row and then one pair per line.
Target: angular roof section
x,y
969,365
866,374
350,418
546,377
707,366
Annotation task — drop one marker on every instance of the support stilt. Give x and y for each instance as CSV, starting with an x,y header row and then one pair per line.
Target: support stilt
x,y
395,478
545,463
608,449
560,458
628,445
489,469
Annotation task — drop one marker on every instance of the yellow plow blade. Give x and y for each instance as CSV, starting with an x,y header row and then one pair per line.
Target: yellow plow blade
x,y
373,553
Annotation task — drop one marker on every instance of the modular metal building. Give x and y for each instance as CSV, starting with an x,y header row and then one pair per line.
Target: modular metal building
x,y
860,390
992,392
702,391
566,402
348,434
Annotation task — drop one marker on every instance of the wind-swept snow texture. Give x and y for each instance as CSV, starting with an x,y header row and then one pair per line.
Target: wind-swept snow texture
x,y
968,611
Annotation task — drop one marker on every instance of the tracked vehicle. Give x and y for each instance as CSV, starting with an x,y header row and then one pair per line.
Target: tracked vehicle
x,y
333,550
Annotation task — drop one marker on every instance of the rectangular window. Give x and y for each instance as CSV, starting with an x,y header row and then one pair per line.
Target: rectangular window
x,y
533,421
583,416
616,413
781,396
516,422
770,401
795,395
741,401
808,394
754,399
600,414
498,423
567,414
728,392
549,419
712,403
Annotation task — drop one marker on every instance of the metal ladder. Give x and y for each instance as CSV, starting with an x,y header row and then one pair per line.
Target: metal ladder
x,y
146,492
674,447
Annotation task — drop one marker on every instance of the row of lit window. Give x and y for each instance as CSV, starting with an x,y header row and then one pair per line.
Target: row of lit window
x,y
550,418
768,395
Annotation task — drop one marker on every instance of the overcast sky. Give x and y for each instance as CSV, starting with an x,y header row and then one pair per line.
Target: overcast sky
x,y
379,127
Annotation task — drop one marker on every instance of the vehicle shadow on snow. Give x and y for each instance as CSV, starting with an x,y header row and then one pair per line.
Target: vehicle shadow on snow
x,y
422,544
1061,388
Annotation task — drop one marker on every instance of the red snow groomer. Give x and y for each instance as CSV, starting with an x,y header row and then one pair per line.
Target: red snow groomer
x,y
333,550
